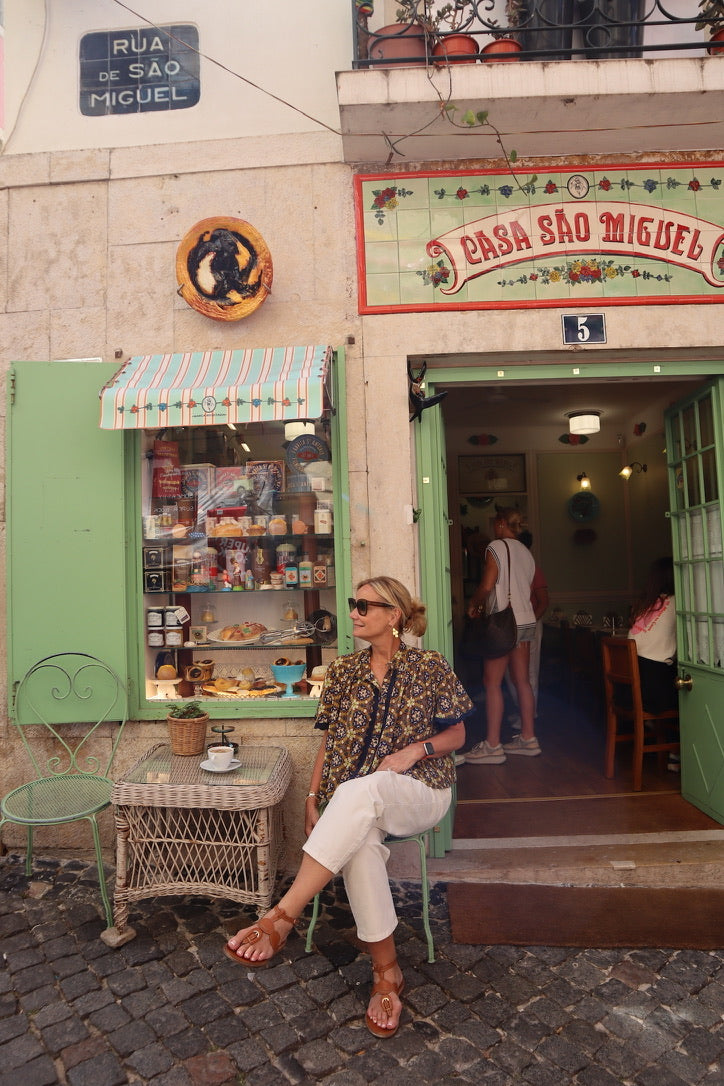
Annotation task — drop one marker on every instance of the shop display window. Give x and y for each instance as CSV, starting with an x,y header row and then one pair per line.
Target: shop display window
x,y
238,563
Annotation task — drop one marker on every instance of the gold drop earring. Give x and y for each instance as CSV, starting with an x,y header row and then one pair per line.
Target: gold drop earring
x,y
395,631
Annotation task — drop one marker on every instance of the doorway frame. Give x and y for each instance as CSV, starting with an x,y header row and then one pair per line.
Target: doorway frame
x,y
435,580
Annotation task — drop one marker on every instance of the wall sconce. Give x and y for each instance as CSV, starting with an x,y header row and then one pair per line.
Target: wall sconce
x,y
636,466
584,481
584,422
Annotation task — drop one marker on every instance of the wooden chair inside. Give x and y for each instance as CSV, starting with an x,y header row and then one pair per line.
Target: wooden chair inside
x,y
647,731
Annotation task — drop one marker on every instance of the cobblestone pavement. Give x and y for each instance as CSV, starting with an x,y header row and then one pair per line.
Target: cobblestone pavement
x,y
171,1010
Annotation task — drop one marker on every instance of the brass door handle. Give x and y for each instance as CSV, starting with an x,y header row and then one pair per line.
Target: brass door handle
x,y
683,683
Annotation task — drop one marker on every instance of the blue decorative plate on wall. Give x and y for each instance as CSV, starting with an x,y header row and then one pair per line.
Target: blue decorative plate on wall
x,y
583,506
305,449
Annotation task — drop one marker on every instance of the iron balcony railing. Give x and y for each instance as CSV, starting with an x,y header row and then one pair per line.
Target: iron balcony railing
x,y
541,29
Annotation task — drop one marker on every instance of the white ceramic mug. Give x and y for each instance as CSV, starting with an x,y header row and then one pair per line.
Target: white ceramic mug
x,y
221,757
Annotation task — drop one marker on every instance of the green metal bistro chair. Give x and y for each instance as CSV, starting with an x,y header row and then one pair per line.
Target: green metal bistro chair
x,y
54,703
420,838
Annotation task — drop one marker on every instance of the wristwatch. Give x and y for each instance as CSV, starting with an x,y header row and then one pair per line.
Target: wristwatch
x,y
429,750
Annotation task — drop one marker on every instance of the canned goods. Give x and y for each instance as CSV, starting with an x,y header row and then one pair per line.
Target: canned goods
x,y
155,639
174,638
151,526
154,616
170,617
322,521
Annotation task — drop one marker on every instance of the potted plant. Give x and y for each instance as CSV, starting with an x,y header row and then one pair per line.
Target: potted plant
x,y
711,14
187,722
504,46
455,46
409,40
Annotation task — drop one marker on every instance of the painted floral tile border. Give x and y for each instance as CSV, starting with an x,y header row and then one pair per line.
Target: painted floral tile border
x,y
652,233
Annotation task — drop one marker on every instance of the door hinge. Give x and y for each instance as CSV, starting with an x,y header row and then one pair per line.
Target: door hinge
x,y
11,388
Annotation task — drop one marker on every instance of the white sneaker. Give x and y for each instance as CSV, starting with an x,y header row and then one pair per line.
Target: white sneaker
x,y
528,747
484,754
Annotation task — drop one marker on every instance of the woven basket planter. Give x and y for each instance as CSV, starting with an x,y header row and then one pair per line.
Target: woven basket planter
x,y
188,736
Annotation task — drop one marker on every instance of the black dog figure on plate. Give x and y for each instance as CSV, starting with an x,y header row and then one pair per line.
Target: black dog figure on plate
x,y
418,402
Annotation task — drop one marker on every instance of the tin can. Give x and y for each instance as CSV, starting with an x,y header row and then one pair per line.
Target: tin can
x,y
151,526
291,576
319,574
322,521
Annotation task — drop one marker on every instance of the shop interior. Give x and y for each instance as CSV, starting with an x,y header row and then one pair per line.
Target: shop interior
x,y
510,445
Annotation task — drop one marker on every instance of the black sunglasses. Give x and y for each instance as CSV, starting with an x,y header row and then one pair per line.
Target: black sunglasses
x,y
362,605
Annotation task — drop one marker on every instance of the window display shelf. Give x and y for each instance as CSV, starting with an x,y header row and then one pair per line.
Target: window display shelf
x,y
236,550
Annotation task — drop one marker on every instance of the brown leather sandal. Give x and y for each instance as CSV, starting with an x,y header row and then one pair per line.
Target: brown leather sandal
x,y
263,927
384,987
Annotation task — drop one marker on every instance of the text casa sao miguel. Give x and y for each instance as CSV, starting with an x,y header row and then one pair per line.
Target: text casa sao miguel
x,y
535,232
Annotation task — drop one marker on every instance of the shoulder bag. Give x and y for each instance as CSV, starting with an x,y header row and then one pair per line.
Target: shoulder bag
x,y
490,636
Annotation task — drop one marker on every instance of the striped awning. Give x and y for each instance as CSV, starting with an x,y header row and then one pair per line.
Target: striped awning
x,y
210,388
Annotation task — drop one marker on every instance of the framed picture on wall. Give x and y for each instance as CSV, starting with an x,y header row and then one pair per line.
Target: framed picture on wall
x,y
492,474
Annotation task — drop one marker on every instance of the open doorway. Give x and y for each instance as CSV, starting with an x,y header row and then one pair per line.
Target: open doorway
x,y
507,443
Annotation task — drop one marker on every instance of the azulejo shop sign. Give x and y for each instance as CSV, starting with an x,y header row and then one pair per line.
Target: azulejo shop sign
x,y
141,70
477,240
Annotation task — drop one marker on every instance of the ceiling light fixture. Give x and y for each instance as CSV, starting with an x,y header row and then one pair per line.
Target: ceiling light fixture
x,y
584,422
635,466
297,428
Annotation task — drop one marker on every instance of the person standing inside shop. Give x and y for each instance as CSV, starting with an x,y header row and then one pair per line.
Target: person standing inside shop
x,y
507,527
539,599
391,717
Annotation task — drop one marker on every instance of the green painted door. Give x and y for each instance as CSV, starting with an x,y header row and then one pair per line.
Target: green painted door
x,y
65,506
434,534
694,442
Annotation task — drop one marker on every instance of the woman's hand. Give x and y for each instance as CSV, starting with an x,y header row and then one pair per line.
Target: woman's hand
x,y
474,609
311,815
400,760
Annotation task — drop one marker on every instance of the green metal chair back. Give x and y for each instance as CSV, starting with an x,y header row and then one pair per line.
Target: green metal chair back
x,y
69,711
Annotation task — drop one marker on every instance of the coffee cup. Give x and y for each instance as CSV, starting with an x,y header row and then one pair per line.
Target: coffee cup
x,y
221,757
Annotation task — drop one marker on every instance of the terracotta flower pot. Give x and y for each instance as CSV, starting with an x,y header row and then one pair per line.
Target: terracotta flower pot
x,y
398,44
457,49
501,49
716,44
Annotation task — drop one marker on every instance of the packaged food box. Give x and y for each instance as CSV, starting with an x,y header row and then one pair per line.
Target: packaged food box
x,y
231,484
198,481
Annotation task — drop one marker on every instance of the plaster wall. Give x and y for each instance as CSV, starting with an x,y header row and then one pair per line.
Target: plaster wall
x,y
255,77
109,240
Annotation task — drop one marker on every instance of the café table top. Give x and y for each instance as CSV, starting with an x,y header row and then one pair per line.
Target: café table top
x,y
163,779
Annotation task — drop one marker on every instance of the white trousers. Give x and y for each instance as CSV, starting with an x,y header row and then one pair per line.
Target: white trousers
x,y
350,833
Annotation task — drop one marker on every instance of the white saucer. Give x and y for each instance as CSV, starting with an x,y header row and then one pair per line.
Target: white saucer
x,y
211,768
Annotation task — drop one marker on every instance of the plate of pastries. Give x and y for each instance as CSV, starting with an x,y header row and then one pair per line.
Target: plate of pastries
x,y
242,632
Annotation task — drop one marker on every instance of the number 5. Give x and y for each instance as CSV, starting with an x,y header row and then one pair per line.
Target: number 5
x,y
583,329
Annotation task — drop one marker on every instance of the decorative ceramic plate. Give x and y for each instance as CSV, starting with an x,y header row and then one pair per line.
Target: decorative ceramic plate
x,y
224,268
583,506
306,449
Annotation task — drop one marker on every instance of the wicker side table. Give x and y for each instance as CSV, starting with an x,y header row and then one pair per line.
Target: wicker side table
x,y
183,830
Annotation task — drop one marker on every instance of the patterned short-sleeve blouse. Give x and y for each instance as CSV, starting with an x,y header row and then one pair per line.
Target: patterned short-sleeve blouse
x,y
364,721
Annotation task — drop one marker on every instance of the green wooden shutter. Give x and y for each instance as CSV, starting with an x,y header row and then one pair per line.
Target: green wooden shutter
x,y
66,578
